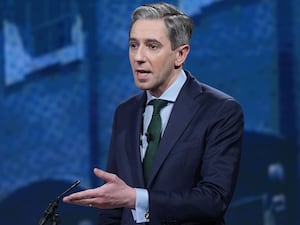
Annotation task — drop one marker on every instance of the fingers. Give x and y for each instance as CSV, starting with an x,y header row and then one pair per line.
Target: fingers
x,y
100,197
87,194
83,202
82,198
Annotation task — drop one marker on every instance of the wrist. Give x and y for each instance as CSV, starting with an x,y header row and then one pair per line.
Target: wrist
x,y
132,198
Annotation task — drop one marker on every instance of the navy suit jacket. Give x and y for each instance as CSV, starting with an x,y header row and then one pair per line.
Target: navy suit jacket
x,y
196,166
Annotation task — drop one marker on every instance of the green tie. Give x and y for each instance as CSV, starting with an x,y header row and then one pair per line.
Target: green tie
x,y
153,135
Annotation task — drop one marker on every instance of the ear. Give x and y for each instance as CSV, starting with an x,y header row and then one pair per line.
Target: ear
x,y
181,54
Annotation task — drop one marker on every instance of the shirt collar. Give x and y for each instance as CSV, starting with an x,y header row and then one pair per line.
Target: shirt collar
x,y
172,92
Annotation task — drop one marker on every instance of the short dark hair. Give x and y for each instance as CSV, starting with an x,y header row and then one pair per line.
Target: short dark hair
x,y
178,24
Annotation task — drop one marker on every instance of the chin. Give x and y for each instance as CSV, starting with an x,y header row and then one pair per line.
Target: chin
x,y
142,85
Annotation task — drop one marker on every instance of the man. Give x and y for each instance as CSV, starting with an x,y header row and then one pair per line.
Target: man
x,y
194,170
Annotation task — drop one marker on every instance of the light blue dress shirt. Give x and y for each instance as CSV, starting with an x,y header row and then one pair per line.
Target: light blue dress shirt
x,y
142,197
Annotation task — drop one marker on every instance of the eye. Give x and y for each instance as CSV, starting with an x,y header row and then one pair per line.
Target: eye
x,y
153,46
133,45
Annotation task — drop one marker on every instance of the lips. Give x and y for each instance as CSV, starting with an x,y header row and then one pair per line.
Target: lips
x,y
142,71
142,74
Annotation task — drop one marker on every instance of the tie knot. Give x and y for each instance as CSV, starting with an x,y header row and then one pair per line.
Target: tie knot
x,y
158,104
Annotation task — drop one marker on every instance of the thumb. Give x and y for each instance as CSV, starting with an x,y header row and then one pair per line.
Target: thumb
x,y
107,177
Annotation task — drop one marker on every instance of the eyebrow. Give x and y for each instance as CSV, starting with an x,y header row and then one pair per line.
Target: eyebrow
x,y
146,40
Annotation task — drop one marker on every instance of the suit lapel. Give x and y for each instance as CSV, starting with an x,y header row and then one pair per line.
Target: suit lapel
x,y
183,111
134,131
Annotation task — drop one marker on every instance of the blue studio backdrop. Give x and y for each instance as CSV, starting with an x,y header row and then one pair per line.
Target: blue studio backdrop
x,y
64,68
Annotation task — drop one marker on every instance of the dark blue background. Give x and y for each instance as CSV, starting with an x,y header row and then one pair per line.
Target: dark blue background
x,y
55,123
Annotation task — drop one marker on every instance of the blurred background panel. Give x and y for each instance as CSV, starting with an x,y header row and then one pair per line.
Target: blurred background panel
x,y
64,69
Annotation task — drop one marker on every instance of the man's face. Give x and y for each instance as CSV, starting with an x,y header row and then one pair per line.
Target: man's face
x,y
151,57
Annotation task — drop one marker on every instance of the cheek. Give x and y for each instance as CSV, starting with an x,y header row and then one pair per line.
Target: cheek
x,y
165,64
160,63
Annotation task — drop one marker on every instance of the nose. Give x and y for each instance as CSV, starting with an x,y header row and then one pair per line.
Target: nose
x,y
139,54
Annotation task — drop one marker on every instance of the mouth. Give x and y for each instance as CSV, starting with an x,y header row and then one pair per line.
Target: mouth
x,y
142,74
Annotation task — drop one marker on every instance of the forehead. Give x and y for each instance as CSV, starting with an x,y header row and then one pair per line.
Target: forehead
x,y
149,29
